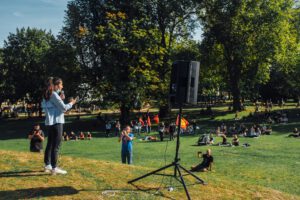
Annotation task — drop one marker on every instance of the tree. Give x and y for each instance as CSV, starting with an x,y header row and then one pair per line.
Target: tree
x,y
30,56
3,85
130,54
60,61
254,36
146,32
175,20
25,72
80,30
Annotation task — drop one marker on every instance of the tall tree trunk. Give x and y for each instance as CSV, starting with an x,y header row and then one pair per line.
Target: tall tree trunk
x,y
236,94
125,115
234,79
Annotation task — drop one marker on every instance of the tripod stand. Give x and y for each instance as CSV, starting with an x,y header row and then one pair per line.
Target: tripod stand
x,y
175,164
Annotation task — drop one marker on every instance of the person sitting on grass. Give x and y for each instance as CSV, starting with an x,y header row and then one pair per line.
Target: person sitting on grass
x,y
89,136
235,141
36,139
73,137
218,131
81,136
244,132
257,131
252,132
204,140
211,138
206,164
224,141
295,133
65,136
268,130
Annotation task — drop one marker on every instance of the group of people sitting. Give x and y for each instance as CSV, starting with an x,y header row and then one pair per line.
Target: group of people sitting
x,y
278,117
209,140
234,131
73,137
254,131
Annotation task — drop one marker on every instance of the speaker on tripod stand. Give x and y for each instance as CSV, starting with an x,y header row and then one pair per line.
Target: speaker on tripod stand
x,y
184,82
183,89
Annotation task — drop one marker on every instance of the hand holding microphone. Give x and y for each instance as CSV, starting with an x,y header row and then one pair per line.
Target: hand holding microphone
x,y
62,95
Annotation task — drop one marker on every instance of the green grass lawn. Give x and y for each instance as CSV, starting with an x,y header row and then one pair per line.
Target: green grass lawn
x,y
271,162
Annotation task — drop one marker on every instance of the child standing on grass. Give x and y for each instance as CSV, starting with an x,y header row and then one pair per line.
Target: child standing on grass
x,y
126,138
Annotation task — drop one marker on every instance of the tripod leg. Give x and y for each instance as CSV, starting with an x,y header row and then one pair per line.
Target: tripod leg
x,y
199,179
153,172
183,183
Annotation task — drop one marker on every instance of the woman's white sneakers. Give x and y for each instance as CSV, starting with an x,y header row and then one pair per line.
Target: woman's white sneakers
x,y
57,170
48,168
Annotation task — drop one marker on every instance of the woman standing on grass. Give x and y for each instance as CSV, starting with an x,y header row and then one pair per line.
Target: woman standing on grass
x,y
54,108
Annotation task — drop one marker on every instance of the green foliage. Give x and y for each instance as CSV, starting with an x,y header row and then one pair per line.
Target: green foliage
x,y
29,57
255,36
60,60
175,20
124,47
129,58
23,55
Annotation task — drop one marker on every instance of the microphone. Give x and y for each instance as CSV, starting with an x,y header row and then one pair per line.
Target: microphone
x,y
62,95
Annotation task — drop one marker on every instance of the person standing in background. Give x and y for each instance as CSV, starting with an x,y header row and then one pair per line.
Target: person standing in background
x,y
126,138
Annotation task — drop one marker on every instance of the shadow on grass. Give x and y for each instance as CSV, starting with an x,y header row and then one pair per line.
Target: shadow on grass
x,y
39,192
152,191
157,190
25,173
109,192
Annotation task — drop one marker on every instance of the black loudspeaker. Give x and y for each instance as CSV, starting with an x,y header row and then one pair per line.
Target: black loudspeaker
x,y
184,82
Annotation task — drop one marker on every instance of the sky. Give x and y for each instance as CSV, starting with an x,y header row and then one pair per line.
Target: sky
x,y
42,14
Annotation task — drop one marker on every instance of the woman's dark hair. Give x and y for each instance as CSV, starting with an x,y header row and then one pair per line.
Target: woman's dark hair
x,y
56,81
50,83
48,88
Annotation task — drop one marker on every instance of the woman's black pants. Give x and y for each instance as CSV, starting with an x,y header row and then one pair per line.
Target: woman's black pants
x,y
54,140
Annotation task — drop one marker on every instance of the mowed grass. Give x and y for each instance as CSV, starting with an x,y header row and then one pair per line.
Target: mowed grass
x,y
268,169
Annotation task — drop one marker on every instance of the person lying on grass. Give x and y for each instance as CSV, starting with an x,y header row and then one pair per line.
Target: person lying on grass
x,y
295,133
206,164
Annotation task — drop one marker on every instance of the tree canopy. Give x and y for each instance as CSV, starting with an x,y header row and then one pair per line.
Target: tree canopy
x,y
119,53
